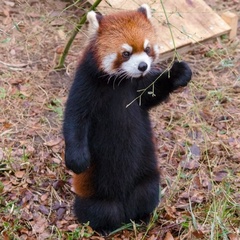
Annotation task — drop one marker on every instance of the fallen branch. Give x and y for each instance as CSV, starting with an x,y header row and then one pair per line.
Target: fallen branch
x,y
15,66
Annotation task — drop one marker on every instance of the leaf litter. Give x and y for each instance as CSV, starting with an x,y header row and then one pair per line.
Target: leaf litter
x,y
197,134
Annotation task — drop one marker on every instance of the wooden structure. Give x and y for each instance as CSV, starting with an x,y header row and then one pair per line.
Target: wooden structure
x,y
192,22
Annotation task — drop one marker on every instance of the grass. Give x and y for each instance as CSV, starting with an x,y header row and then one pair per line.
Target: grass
x,y
2,93
10,229
56,106
79,232
199,126
222,212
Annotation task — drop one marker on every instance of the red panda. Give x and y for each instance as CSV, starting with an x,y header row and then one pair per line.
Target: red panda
x,y
108,142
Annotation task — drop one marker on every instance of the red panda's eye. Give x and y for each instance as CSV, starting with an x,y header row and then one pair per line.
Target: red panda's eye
x,y
147,50
126,54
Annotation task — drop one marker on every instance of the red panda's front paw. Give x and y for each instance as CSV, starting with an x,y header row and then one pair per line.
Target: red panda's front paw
x,y
180,74
77,159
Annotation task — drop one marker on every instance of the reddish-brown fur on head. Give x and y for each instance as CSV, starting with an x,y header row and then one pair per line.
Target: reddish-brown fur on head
x,y
127,27
121,32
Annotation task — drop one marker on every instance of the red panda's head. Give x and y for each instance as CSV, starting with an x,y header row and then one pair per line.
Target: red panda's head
x,y
125,42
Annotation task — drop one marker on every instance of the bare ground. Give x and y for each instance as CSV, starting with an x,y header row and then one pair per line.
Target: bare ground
x,y
197,131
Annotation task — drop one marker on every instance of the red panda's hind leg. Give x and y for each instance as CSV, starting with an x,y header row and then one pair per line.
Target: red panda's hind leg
x,y
104,216
144,199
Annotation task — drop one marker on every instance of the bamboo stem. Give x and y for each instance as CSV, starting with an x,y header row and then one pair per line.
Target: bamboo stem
x,y
75,32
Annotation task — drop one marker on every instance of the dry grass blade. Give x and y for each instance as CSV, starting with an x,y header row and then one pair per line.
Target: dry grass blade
x,y
197,134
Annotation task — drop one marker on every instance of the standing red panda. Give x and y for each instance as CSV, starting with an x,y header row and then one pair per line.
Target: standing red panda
x,y
109,146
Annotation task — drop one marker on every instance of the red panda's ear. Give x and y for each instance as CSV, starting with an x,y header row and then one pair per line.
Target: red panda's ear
x,y
94,20
145,9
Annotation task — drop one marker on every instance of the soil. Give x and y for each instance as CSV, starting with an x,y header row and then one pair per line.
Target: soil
x,y
197,133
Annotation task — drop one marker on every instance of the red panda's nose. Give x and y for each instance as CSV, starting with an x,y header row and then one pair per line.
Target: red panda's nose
x,y
142,66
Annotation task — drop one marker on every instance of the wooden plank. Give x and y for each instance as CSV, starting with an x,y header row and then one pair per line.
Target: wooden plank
x,y
192,21
232,20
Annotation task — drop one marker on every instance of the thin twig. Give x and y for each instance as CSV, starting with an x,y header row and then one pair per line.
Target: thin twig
x,y
176,55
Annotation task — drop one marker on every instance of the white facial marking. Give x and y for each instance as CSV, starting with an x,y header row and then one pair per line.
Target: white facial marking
x,y
127,47
148,10
131,66
107,63
146,43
